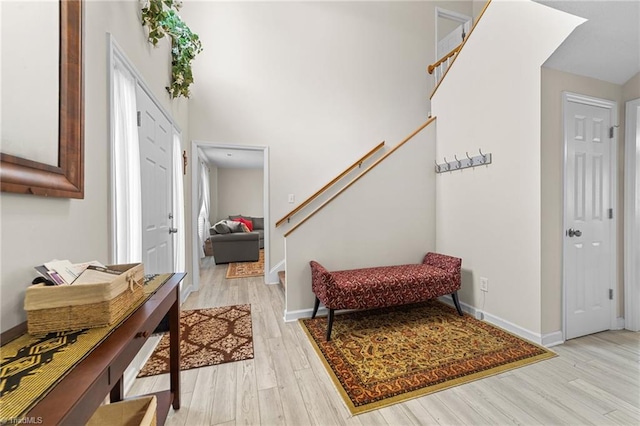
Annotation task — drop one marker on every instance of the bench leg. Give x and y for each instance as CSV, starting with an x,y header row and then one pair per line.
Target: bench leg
x,y
329,324
315,308
456,302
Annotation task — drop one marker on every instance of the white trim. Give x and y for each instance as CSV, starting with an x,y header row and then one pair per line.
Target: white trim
x,y
454,16
552,339
195,154
632,218
548,340
185,292
612,106
497,321
290,316
139,361
620,323
273,273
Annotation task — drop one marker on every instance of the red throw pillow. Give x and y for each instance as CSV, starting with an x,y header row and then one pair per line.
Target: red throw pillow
x,y
246,222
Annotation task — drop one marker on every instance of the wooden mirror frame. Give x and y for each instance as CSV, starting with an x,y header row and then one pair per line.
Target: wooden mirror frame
x,y
25,176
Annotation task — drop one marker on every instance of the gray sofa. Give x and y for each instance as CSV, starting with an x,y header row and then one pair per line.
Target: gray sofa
x,y
231,244
258,226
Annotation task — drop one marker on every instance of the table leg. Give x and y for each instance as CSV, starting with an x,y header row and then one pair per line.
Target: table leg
x,y
174,351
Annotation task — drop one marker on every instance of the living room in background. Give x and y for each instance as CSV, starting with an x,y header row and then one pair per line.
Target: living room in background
x,y
230,156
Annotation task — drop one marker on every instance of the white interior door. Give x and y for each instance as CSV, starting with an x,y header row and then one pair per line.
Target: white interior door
x,y
156,136
588,232
453,39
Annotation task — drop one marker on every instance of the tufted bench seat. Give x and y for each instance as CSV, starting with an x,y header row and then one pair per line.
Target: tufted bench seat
x,y
379,287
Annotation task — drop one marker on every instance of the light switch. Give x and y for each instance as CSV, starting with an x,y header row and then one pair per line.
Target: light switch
x,y
292,198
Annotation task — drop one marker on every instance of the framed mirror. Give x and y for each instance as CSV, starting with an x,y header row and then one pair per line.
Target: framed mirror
x,y
63,176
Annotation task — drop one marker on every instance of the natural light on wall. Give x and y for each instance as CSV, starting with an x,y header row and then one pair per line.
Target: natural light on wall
x,y
128,197
179,245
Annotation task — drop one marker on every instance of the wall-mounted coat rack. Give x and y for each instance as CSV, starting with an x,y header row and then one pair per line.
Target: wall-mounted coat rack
x,y
478,160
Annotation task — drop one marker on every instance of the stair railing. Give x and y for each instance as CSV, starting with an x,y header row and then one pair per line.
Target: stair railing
x,y
367,170
308,201
441,65
456,52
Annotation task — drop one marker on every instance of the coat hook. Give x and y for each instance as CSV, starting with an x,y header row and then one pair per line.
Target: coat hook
x,y
458,161
470,159
437,166
484,157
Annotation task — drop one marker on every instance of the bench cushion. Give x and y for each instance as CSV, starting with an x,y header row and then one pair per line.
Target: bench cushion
x,y
382,286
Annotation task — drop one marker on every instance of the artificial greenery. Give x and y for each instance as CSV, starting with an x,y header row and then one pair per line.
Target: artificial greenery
x,y
161,17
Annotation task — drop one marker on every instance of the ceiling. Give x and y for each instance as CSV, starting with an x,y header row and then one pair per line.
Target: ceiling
x,y
234,158
607,46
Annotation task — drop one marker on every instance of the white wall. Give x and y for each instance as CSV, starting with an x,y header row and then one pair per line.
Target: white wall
x,y
320,83
37,229
385,218
240,191
552,157
490,100
631,89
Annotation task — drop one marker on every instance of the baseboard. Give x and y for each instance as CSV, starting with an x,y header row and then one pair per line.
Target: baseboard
x,y
497,321
303,313
138,362
185,292
272,276
552,339
547,340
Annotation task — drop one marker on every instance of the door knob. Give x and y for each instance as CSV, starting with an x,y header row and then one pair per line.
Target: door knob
x,y
173,230
574,233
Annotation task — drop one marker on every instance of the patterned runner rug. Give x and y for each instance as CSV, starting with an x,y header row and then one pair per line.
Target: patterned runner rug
x,y
246,269
207,337
30,366
381,357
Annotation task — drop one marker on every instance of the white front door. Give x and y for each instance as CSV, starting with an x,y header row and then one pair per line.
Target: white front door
x,y
155,133
587,215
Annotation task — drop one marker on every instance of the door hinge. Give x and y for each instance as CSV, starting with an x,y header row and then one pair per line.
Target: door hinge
x,y
611,132
610,294
139,119
610,213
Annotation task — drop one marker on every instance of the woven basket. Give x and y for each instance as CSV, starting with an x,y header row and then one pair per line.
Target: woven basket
x,y
136,411
70,308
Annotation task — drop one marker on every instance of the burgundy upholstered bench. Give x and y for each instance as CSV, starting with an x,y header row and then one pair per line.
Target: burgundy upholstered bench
x,y
379,287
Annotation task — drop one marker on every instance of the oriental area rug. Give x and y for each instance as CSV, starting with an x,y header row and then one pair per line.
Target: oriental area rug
x,y
380,357
246,269
30,366
207,337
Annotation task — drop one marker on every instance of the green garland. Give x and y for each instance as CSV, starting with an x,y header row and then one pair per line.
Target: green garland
x,y
185,44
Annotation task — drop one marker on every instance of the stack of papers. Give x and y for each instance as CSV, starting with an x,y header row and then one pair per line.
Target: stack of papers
x,y
63,272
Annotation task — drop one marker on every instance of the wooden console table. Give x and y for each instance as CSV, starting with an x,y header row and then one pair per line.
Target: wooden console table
x,y
77,396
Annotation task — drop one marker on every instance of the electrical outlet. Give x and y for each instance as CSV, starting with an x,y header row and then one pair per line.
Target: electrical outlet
x,y
484,284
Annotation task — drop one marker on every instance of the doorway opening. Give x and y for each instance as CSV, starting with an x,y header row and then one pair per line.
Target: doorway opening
x,y
451,30
229,158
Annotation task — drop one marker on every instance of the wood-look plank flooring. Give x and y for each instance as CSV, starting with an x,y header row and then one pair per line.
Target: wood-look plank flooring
x,y
594,380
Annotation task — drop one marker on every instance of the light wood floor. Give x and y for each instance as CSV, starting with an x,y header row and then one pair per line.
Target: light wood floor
x,y
594,380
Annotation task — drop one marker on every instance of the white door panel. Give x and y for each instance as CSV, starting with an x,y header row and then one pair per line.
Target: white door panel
x,y
155,155
587,252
